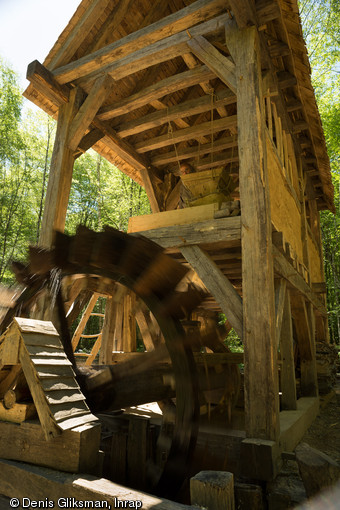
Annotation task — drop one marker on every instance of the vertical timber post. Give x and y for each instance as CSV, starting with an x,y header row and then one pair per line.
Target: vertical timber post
x,y
260,352
60,178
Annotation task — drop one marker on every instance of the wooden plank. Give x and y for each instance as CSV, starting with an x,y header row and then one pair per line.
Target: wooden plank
x,y
43,81
56,372
129,339
86,113
57,384
222,66
182,135
223,230
288,383
82,419
47,421
137,452
280,295
156,53
161,88
83,321
45,352
41,362
38,483
185,109
108,332
211,359
169,218
149,337
63,396
26,442
164,28
36,326
42,341
218,160
261,386
68,410
195,151
217,284
9,348
79,33
94,351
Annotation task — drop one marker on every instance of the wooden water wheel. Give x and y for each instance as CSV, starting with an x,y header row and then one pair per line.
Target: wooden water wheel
x,y
141,266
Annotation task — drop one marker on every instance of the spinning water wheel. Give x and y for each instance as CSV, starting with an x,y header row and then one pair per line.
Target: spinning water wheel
x,y
141,266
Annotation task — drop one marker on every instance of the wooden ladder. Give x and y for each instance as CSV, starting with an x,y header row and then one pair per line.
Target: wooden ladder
x,y
78,334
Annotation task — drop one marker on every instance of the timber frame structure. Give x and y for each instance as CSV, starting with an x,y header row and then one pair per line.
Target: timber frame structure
x,y
152,84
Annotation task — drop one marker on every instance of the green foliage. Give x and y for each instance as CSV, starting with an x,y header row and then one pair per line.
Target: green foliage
x,y
321,28
102,195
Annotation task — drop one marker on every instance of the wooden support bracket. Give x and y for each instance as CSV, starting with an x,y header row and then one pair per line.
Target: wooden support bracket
x,y
217,284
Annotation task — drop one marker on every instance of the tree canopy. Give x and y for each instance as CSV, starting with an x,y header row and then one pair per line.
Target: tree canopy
x,y
102,195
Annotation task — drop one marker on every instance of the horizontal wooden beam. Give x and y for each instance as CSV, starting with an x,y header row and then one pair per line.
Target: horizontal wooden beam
x,y
44,81
223,158
226,230
145,44
185,109
195,152
156,91
217,284
186,134
211,359
222,66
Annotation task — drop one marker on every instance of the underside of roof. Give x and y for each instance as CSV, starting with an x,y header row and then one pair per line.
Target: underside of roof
x,y
166,105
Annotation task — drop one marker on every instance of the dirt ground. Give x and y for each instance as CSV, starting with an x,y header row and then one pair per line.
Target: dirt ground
x,y
287,491
324,433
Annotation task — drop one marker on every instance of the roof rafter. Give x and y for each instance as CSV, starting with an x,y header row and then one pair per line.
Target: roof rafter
x,y
168,27
153,92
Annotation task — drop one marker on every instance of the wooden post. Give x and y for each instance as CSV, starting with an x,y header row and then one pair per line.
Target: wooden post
x,y
288,383
60,178
260,364
213,490
303,314
129,323
108,333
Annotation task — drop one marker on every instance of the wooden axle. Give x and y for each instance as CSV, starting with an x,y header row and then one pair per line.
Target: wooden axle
x,y
115,387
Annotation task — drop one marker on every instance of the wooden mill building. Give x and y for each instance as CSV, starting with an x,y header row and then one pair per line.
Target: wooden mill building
x,y
218,84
